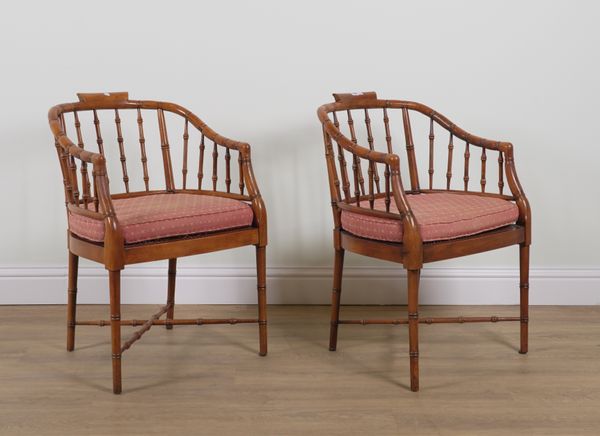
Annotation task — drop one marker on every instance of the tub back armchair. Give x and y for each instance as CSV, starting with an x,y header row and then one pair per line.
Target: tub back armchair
x,y
176,188
409,186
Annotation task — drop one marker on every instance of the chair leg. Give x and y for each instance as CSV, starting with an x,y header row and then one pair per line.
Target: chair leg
x,y
413,327
115,327
335,298
72,300
261,275
524,300
171,292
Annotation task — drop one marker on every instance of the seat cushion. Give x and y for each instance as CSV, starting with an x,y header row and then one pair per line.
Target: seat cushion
x,y
440,216
166,215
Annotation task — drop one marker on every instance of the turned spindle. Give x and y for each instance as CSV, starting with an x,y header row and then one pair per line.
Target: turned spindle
x,y
184,169
466,174
140,122
202,147
342,163
449,170
483,165
122,157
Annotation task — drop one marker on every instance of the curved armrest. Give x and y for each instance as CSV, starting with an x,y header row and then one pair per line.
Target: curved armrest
x,y
410,230
460,133
517,192
242,147
258,205
390,159
245,152
511,173
113,237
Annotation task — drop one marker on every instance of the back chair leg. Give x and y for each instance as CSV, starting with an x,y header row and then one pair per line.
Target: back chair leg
x,y
336,295
115,327
524,300
413,327
261,275
72,300
171,292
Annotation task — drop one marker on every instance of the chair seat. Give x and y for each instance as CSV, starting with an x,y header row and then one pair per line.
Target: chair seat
x,y
440,216
159,216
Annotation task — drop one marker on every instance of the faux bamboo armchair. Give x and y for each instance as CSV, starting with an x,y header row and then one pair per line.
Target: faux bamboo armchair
x,y
159,219
375,215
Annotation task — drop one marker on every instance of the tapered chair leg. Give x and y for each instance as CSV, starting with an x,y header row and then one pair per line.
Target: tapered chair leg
x,y
261,275
413,327
336,294
115,327
171,292
524,300
72,300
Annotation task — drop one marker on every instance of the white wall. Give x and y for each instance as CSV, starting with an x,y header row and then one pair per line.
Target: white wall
x,y
527,72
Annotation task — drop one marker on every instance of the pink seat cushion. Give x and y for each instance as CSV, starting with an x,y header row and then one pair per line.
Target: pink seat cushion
x,y
440,216
166,215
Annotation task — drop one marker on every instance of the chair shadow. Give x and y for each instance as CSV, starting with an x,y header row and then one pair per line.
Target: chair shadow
x,y
92,345
227,339
495,337
379,372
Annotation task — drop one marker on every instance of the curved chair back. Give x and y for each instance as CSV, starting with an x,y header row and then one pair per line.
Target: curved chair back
x,y
128,136
366,138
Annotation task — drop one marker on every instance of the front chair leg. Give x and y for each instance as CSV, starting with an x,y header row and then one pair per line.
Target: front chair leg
x,y
261,276
72,300
524,300
336,295
115,327
171,293
413,327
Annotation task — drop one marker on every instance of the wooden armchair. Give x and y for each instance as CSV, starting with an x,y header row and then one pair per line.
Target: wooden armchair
x,y
374,215
171,217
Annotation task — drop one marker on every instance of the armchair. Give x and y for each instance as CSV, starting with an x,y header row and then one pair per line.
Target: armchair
x,y
375,214
182,216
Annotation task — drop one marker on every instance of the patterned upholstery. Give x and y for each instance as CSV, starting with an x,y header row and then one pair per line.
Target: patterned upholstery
x,y
440,216
165,215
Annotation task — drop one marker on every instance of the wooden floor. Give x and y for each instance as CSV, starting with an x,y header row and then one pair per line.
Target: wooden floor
x,y
209,380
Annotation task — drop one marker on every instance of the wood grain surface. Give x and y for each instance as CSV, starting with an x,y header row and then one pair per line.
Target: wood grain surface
x,y
209,380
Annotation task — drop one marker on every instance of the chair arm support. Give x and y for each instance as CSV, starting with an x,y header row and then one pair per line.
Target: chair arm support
x,y
411,239
113,235
258,205
518,193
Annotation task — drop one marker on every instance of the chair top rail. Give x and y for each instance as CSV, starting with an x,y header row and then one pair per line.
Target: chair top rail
x,y
369,100
120,100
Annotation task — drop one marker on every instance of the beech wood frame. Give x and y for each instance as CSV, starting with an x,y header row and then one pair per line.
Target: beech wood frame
x,y
412,252
96,202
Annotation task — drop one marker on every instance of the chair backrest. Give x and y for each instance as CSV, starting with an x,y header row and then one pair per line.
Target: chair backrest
x,y
362,132
132,136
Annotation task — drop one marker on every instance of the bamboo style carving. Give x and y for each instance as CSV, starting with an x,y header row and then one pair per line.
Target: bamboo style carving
x,y
122,157
95,201
411,251
140,122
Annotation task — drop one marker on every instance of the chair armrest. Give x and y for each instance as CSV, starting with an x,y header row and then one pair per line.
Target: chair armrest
x,y
472,139
411,236
245,152
100,178
68,152
258,205
204,128
377,157
511,173
518,193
